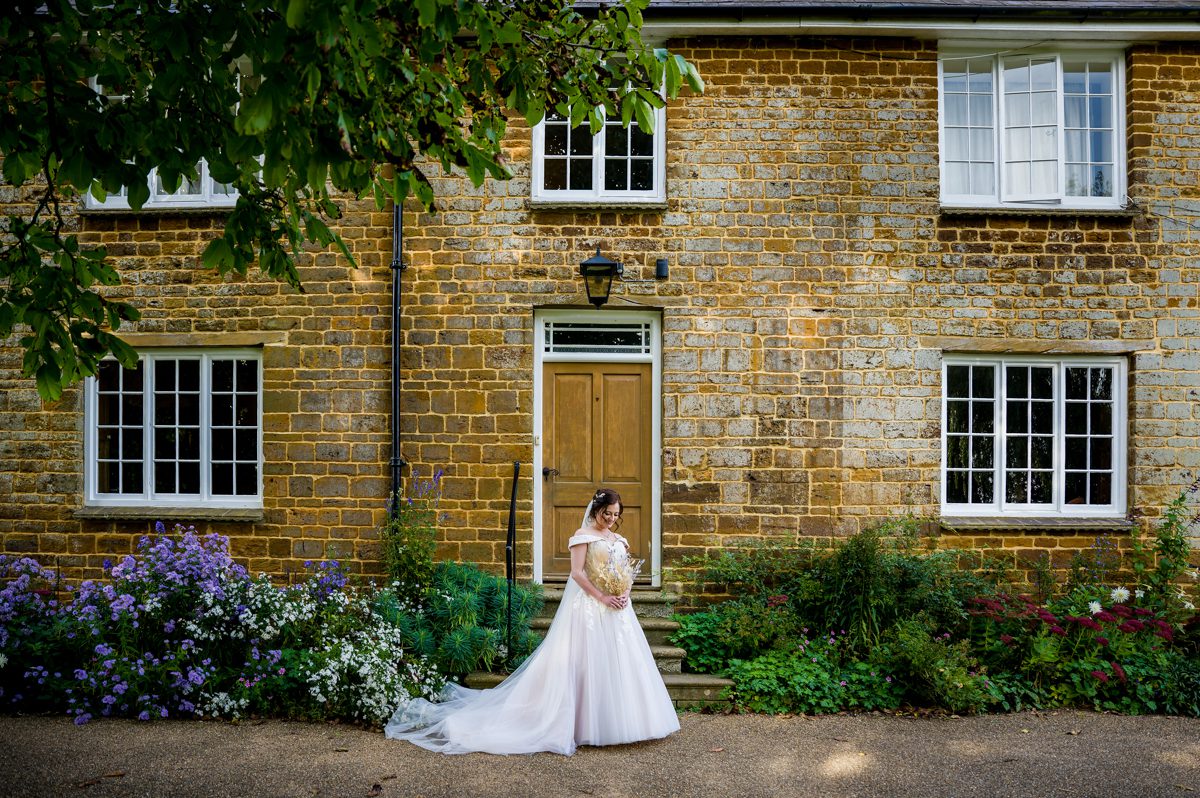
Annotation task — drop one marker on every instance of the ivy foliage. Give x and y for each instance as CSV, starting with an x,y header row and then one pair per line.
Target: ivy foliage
x,y
289,101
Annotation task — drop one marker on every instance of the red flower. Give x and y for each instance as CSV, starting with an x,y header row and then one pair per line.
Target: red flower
x,y
1102,641
1117,669
1105,615
1131,626
1006,639
1100,675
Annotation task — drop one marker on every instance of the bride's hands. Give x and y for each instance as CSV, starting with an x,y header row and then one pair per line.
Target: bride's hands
x,y
616,602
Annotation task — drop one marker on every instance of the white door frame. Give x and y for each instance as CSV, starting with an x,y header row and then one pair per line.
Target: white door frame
x,y
654,357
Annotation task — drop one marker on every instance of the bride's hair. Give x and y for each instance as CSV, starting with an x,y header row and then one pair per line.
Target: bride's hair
x,y
604,497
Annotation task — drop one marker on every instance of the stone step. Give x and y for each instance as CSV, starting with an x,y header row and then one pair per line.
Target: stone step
x,y
687,690
657,630
647,603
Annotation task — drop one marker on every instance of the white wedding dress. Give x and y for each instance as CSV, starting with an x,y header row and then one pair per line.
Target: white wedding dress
x,y
592,681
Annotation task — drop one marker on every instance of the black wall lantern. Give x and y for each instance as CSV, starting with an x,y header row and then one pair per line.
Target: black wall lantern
x,y
598,272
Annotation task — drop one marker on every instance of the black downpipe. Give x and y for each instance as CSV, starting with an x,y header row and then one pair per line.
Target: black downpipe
x,y
510,559
397,462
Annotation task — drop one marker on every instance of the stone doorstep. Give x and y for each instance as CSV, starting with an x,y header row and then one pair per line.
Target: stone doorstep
x,y
657,629
687,690
646,603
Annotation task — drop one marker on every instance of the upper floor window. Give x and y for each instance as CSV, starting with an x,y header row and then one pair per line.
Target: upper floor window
x,y
1041,131
619,164
200,192
183,428
1034,436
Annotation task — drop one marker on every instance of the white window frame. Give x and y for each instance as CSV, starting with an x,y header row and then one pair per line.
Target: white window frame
x,y
149,497
1058,508
209,195
1003,197
598,194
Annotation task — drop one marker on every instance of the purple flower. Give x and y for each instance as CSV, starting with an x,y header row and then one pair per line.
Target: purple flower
x,y
82,719
143,715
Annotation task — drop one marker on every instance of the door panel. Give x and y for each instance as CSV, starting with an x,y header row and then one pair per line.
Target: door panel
x,y
596,433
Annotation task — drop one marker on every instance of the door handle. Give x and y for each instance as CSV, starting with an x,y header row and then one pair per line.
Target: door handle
x,y
548,472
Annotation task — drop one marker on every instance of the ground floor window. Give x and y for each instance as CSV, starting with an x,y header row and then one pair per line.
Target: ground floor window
x,y
182,428
1036,436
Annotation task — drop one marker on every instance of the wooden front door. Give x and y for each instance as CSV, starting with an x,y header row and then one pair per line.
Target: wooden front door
x,y
596,432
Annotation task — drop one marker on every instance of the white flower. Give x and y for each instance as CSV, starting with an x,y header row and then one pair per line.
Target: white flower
x,y
1139,593
1094,607
3,660
1187,605
1119,595
1195,575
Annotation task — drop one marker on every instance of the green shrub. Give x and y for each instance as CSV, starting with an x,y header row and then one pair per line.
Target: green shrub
x,y
734,629
408,539
935,670
814,677
460,623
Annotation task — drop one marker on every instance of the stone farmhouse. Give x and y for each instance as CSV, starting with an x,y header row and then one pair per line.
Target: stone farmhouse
x,y
930,257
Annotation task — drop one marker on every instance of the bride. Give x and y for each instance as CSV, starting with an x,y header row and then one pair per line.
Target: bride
x,y
592,681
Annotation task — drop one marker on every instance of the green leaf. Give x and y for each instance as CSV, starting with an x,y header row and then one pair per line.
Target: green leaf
x,y
218,255
139,193
295,12
49,382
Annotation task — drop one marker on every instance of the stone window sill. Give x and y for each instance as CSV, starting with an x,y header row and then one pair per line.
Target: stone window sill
x,y
1045,524
231,514
597,205
1003,210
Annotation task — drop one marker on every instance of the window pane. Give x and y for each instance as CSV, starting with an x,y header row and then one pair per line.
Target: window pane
x,y
1101,453
164,444
1077,181
1101,141
581,141
1018,417
954,76
1076,145
956,417
981,144
189,375
640,142
247,479
1074,79
164,477
981,489
1076,453
1101,489
958,143
164,375
957,385
1041,487
956,487
555,139
1100,112
189,443
1042,383
642,177
981,453
108,444
1102,182
1101,419
616,175
580,177
1100,78
131,409
616,140
958,178
1077,384
1076,489
983,178
189,409
1016,488
1043,177
955,106
108,406
982,417
1041,416
164,409
1041,452
247,410
1101,383
108,376
1043,108
247,376
983,381
1075,111
222,444
131,476
1017,453
1043,144
554,175
222,411
189,477
108,475
222,375
1016,110
247,444
222,479
980,108
131,441
1076,418
1043,76
957,451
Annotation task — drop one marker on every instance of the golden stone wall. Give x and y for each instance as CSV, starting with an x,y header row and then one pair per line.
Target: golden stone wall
x,y
814,284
